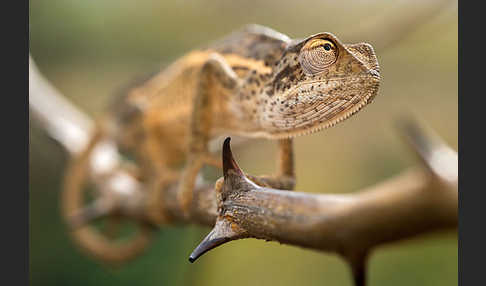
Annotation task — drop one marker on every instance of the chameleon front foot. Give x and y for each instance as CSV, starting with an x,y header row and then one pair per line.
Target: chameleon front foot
x,y
188,179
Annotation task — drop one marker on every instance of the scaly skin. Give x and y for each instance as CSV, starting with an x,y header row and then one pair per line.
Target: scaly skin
x,y
274,98
254,83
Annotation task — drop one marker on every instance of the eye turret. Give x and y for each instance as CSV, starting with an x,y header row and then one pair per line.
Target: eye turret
x,y
317,54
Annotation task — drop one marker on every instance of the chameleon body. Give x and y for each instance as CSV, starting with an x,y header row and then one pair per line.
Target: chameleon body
x,y
254,83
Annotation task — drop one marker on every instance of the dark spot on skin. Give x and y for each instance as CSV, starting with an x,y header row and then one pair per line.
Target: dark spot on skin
x,y
239,68
286,72
286,105
252,92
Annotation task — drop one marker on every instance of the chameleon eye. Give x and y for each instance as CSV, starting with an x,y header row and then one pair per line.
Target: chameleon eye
x,y
317,55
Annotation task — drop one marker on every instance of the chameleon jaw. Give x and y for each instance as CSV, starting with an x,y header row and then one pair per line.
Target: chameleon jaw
x,y
321,126
304,128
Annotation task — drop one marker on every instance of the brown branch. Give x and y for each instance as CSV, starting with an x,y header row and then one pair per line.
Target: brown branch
x,y
388,28
412,203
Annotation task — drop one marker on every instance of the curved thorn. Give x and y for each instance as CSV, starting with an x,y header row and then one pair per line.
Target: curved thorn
x,y
206,245
415,136
229,162
222,232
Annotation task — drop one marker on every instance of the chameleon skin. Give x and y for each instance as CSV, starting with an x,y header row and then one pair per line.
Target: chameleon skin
x,y
254,83
274,99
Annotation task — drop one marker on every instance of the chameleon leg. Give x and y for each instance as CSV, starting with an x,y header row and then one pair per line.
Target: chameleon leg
x,y
285,177
214,72
155,163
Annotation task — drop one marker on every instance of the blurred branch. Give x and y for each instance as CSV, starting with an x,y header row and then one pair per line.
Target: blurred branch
x,y
390,27
58,117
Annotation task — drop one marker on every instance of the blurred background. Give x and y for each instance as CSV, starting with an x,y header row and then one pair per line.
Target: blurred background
x,y
88,49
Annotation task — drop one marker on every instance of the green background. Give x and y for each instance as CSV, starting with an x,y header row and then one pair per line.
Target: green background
x,y
88,49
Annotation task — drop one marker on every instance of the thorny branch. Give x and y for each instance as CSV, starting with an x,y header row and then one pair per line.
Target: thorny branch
x,y
416,201
412,203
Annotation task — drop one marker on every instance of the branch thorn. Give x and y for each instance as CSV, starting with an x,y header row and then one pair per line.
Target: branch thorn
x,y
438,158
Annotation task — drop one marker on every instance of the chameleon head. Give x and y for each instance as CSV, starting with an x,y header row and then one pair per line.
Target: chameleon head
x,y
317,83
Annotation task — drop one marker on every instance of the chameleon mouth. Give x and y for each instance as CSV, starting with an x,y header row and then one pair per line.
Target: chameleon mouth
x,y
316,125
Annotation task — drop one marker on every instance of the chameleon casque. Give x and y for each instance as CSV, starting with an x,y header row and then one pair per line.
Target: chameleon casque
x,y
256,83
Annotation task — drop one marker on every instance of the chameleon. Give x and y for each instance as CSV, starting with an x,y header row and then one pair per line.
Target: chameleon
x,y
254,83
